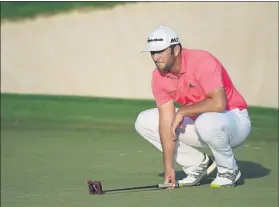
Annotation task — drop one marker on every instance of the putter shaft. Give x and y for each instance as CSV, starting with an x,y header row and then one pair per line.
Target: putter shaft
x,y
146,187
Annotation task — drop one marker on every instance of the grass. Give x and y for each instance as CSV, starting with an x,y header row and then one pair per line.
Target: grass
x,y
51,146
23,10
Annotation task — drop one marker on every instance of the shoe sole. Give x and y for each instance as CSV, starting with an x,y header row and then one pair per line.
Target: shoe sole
x,y
209,170
229,185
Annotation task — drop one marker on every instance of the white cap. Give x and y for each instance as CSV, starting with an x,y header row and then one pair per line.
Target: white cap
x,y
161,38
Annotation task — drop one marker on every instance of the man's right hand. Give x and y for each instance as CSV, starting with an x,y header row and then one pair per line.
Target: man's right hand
x,y
170,177
166,114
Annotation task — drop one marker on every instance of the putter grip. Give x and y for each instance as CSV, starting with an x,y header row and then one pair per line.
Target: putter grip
x,y
177,185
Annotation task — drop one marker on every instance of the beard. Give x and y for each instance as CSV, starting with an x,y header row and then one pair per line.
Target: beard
x,y
165,67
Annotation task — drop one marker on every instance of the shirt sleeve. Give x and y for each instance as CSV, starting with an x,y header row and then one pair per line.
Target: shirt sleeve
x,y
209,74
161,96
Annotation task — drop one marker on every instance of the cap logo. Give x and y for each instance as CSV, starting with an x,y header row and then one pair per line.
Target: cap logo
x,y
155,40
174,40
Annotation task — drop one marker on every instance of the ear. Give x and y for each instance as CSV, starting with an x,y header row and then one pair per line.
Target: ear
x,y
176,50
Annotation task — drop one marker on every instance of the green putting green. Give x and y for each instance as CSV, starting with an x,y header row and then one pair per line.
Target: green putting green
x,y
51,146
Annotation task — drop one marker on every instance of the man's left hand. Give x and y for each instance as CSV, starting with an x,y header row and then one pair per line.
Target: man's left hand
x,y
176,122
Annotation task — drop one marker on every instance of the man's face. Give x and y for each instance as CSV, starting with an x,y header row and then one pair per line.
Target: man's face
x,y
163,59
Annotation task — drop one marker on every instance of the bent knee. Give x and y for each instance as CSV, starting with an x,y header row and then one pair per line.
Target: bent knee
x,y
139,123
147,119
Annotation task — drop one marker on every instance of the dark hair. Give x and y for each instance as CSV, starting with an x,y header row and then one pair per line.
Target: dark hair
x,y
173,46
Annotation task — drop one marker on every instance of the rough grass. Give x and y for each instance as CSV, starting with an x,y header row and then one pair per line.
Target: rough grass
x,y
24,10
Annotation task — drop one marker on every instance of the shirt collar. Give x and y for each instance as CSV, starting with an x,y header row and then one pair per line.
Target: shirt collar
x,y
184,54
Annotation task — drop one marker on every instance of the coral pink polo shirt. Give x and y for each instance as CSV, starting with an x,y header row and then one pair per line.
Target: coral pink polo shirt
x,y
200,74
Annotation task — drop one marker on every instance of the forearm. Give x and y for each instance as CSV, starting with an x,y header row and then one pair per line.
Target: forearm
x,y
206,105
168,145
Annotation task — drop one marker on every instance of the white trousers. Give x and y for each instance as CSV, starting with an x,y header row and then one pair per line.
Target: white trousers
x,y
221,132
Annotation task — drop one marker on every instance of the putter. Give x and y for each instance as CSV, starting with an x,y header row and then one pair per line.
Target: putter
x,y
95,187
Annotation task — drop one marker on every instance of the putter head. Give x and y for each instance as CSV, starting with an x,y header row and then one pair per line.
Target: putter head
x,y
95,187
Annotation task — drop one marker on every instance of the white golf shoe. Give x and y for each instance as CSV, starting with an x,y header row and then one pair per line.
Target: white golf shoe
x,y
227,179
195,174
